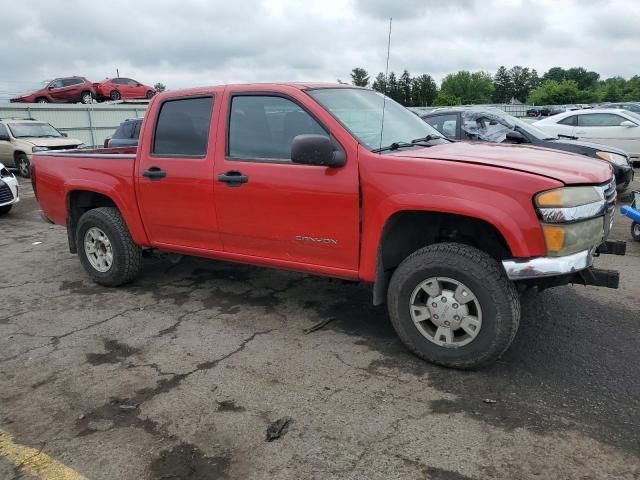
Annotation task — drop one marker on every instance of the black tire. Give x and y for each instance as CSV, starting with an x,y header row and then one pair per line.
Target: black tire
x,y
115,95
149,95
635,231
42,100
5,209
86,97
484,276
23,165
127,256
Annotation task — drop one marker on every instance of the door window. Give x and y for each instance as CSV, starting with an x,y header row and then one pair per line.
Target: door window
x,y
57,84
182,128
571,121
445,124
3,130
263,127
600,120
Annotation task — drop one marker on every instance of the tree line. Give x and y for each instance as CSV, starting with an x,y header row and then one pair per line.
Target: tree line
x,y
556,86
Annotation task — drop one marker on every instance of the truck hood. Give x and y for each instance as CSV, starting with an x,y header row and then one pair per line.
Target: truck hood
x,y
52,142
565,167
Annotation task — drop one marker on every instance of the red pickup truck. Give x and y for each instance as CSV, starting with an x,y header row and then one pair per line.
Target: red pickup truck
x,y
340,181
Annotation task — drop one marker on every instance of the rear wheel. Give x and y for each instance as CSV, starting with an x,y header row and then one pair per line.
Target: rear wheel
x,y
635,231
115,95
149,94
23,165
42,100
86,97
5,209
453,305
106,249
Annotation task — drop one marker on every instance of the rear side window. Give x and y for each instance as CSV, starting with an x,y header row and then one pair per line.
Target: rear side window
x,y
263,127
600,120
445,124
125,130
3,130
182,128
571,121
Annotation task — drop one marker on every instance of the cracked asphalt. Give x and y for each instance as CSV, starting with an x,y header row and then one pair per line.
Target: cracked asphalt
x,y
179,375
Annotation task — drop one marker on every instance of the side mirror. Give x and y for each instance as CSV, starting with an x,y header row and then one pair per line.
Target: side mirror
x,y
4,137
316,150
50,87
628,123
517,137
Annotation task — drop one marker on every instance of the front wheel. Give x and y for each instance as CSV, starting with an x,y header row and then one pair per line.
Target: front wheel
x,y
106,249
86,98
149,95
453,305
23,165
635,231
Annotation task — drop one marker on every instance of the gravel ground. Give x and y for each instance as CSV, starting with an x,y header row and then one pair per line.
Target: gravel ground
x,y
179,375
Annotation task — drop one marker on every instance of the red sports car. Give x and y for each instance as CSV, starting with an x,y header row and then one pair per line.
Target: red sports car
x,y
122,89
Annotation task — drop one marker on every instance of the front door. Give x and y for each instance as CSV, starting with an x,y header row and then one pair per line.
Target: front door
x,y
605,128
6,149
269,207
175,176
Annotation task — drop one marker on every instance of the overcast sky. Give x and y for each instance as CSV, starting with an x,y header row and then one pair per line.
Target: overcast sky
x,y
186,43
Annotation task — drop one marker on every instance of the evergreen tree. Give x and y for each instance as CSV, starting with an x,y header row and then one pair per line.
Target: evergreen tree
x,y
380,83
393,90
359,77
502,87
404,87
423,91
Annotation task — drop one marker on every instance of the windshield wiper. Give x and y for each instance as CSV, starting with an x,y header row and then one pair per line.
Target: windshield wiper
x,y
428,138
570,137
416,142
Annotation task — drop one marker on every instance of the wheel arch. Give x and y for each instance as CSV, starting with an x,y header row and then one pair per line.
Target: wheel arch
x,y
405,232
81,200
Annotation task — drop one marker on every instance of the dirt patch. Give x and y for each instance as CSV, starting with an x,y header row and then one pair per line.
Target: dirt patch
x,y
187,462
115,352
229,406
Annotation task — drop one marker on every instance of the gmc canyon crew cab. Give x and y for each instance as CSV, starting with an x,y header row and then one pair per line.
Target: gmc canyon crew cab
x,y
339,181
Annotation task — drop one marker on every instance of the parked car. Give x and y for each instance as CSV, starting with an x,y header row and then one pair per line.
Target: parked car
x,y
122,89
494,125
126,135
615,128
303,177
629,106
60,90
20,138
9,194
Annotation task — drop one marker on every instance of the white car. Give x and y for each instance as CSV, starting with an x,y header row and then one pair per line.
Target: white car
x,y
616,128
8,190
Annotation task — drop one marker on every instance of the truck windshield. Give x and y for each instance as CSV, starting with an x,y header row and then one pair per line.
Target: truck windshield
x,y
360,111
33,129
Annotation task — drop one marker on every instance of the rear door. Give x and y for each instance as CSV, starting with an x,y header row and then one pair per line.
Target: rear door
x,y
174,175
303,214
565,127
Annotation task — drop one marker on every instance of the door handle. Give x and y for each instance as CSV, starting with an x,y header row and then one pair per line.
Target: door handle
x,y
233,178
154,173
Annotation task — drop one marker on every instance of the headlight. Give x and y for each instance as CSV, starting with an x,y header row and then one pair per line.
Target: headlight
x,y
39,149
568,197
614,158
573,237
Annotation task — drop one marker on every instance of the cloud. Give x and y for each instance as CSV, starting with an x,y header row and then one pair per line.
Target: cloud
x,y
198,42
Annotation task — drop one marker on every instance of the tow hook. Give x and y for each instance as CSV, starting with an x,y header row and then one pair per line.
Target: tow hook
x,y
611,247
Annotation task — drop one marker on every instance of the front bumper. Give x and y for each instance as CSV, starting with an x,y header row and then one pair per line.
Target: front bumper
x,y
540,267
9,192
577,268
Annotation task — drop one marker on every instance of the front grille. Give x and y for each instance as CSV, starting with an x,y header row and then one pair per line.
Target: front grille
x,y
5,193
62,147
610,195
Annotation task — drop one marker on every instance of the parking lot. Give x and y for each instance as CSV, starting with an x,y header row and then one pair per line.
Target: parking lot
x,y
180,374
